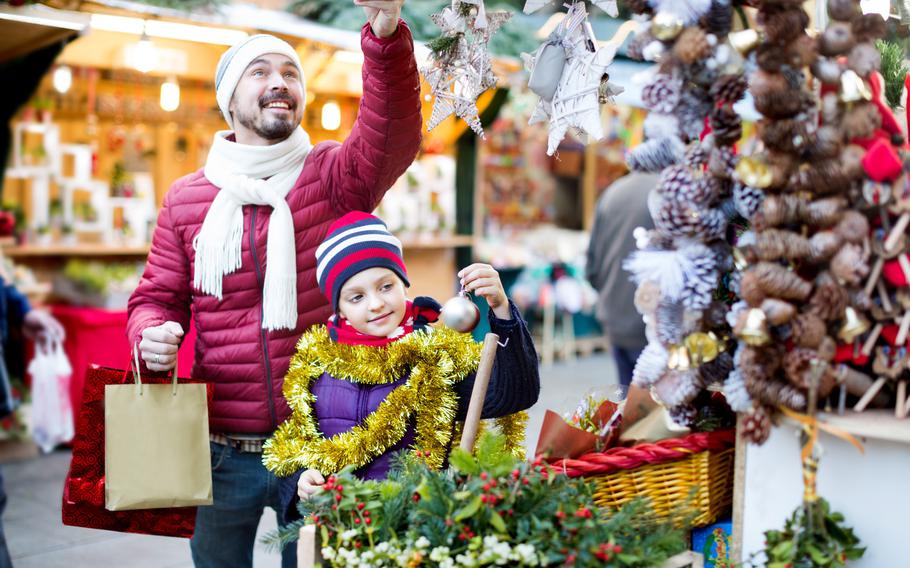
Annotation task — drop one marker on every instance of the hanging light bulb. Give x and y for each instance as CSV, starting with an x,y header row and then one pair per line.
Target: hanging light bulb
x,y
880,7
145,56
331,116
63,79
170,95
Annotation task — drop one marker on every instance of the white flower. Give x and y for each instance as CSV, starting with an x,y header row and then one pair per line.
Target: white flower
x,y
439,554
328,553
447,563
526,554
348,535
422,542
466,559
382,547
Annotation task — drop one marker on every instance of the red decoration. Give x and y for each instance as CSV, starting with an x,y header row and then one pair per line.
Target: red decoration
x,y
881,162
83,491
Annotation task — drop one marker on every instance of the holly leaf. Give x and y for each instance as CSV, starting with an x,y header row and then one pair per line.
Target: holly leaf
x,y
498,523
469,510
783,549
818,558
464,462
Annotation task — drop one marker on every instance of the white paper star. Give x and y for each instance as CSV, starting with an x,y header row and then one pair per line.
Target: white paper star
x,y
457,80
608,6
577,99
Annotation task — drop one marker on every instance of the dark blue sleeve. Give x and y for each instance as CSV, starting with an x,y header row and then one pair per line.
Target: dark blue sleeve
x,y
287,495
17,304
515,382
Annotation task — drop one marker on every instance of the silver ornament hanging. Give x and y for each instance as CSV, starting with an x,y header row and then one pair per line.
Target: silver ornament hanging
x,y
460,313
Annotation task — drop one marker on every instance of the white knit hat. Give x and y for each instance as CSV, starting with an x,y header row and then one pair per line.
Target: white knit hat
x,y
235,60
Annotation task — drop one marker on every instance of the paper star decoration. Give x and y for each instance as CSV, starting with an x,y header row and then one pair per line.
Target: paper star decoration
x,y
460,73
577,99
608,6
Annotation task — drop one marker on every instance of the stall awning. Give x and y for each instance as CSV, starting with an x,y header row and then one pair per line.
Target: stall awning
x,y
24,29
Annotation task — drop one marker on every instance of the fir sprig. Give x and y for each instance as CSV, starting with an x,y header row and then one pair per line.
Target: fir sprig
x,y
894,69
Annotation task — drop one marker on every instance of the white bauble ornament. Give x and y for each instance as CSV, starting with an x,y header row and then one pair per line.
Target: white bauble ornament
x,y
460,314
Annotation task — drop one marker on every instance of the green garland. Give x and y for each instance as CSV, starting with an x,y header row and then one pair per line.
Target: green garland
x,y
436,361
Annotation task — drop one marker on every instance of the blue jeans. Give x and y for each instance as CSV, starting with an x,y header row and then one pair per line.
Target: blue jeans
x,y
625,362
226,531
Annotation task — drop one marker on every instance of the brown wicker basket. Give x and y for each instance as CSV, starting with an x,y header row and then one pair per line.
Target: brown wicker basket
x,y
687,478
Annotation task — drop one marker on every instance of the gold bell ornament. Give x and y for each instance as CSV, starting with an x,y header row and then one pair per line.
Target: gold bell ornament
x,y
854,325
460,313
755,330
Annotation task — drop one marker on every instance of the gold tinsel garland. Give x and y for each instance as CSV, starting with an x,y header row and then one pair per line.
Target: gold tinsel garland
x,y
436,361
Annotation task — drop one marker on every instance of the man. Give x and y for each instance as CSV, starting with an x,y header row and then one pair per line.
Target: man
x,y
235,243
622,207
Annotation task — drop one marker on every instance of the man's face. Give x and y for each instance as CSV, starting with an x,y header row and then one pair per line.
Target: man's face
x,y
268,101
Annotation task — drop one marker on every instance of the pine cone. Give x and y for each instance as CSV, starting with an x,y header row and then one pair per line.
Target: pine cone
x,y
756,425
735,391
760,362
684,415
639,6
822,178
774,392
696,155
864,59
823,213
719,19
783,26
676,183
747,200
850,265
777,311
829,300
676,388
853,227
826,144
868,28
637,44
787,135
778,244
661,94
808,330
716,371
669,318
836,40
798,366
701,281
691,109
778,282
655,155
692,45
729,89
722,162
843,10
770,58
726,125
861,121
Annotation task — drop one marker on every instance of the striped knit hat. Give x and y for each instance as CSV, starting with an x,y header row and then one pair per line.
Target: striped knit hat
x,y
354,243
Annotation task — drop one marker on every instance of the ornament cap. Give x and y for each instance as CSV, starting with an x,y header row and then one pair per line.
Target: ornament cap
x,y
755,331
854,325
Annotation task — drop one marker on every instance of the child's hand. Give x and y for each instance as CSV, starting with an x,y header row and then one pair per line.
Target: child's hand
x,y
483,280
309,483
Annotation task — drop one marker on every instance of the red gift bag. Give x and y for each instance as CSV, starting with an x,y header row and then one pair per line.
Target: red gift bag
x,y
83,493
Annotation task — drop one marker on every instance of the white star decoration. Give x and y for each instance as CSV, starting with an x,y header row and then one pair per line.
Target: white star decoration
x,y
608,6
577,99
457,80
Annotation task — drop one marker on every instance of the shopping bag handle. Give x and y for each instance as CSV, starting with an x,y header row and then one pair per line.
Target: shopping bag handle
x,y
137,379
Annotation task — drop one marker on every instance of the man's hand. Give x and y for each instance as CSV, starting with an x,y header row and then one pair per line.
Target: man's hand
x,y
40,325
382,14
309,483
159,344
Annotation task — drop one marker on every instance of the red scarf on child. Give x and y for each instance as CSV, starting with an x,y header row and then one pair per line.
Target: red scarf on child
x,y
417,314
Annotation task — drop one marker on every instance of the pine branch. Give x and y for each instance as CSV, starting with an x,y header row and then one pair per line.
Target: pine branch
x,y
894,69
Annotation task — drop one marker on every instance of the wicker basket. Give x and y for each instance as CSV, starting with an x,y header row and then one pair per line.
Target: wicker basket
x,y
685,476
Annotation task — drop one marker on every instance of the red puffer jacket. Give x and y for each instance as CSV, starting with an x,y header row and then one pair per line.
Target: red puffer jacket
x,y
247,363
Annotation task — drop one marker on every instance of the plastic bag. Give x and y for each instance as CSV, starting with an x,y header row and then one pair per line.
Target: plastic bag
x,y
51,416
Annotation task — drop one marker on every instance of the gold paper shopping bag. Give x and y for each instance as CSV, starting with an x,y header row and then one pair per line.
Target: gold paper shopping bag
x,y
156,445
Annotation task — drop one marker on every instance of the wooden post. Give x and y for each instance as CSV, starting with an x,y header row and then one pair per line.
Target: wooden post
x,y
308,555
481,382
870,394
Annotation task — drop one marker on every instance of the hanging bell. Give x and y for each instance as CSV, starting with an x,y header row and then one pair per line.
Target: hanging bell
x,y
665,26
702,347
679,359
852,88
754,172
854,325
460,313
744,41
755,330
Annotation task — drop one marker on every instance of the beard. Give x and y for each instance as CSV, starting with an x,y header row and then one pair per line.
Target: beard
x,y
267,126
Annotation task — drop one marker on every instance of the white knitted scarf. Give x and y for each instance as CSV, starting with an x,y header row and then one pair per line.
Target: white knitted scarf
x,y
252,175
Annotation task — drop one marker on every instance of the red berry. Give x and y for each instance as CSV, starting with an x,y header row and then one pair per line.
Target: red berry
x,y
483,475
516,474
525,481
356,521
486,486
340,488
560,515
357,544
617,549
416,497
334,507
449,522
338,497
360,506
368,520
366,513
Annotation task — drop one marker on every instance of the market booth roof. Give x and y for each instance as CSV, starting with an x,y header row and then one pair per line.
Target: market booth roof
x,y
28,28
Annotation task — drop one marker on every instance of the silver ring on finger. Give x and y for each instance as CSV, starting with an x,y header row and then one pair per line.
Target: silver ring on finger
x,y
157,358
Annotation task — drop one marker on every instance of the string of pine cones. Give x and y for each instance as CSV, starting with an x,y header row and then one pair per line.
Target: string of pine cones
x,y
682,263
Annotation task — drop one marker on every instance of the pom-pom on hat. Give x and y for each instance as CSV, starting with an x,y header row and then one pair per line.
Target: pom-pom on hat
x,y
354,243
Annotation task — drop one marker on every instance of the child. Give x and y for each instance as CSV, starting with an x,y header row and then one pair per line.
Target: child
x,y
376,380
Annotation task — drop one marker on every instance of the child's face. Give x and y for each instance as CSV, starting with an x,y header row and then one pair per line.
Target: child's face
x,y
373,301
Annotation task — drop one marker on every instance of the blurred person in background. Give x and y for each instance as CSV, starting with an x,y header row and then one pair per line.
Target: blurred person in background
x,y
622,208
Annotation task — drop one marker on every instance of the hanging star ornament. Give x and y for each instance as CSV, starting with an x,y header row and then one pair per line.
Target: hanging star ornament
x,y
461,68
608,6
579,95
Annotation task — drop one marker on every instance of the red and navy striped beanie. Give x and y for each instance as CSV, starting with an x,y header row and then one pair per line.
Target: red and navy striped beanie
x,y
354,243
